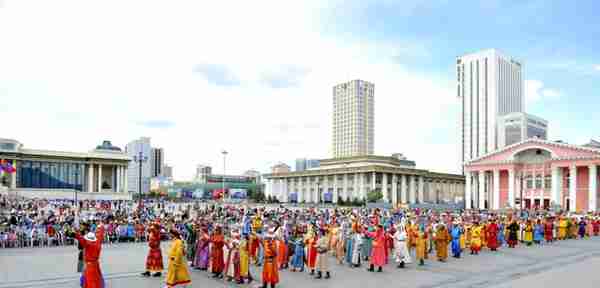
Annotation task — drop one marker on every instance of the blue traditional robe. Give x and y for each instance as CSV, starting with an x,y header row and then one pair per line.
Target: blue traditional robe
x,y
455,233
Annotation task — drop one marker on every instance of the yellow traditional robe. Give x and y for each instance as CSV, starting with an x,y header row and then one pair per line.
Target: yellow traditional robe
x,y
528,235
442,238
476,236
562,229
421,243
244,259
178,272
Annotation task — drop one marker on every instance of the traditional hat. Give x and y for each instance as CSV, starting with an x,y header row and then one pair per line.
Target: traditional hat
x,y
91,236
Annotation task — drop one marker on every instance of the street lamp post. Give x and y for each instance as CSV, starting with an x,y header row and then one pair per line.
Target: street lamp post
x,y
75,204
223,179
140,159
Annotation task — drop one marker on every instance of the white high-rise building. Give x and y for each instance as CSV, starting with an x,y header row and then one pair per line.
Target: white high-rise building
x,y
490,85
157,161
353,119
519,126
133,150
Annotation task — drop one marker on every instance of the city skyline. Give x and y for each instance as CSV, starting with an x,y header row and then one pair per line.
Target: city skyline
x,y
150,74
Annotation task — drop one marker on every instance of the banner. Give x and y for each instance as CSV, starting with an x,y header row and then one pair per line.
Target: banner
x,y
238,193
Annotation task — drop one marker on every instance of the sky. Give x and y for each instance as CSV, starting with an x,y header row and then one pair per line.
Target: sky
x,y
255,78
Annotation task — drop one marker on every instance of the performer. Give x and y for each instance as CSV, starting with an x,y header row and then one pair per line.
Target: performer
x,y
581,229
513,230
154,261
202,250
310,242
528,237
562,228
475,239
538,232
216,252
270,274
245,260
441,242
177,273
492,235
298,258
378,249
456,235
92,246
548,230
339,245
357,242
322,257
421,244
400,246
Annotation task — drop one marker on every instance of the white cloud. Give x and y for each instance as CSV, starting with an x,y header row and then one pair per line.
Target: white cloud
x,y
535,91
597,67
75,73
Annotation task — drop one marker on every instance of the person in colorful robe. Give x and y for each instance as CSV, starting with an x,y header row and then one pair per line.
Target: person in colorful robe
x,y
548,230
232,262
421,245
492,235
217,241
562,228
513,231
475,239
298,258
92,247
245,275
528,236
456,234
377,258
401,254
348,244
442,238
367,244
154,260
322,256
538,232
596,224
581,231
310,242
270,273
357,242
339,245
177,273
202,258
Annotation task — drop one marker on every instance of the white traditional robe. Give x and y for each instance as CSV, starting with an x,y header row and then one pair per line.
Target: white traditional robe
x,y
401,248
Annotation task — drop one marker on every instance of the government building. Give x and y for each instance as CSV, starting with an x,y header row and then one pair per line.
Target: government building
x,y
352,178
100,174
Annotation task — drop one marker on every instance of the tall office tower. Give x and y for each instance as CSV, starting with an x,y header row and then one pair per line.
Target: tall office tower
x,y
157,161
490,85
353,119
202,173
133,149
518,126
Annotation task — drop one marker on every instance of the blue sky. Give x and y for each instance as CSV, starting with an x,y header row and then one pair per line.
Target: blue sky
x,y
199,77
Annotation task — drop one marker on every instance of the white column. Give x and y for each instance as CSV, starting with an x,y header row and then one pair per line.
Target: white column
x,y
384,189
511,187
325,187
403,187
118,180
90,184
363,190
269,187
555,195
13,179
99,178
573,189
412,189
593,188
468,189
373,181
345,188
355,184
421,189
481,190
335,188
395,189
496,200
125,176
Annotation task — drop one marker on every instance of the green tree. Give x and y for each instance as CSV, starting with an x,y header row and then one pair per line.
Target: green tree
x,y
374,196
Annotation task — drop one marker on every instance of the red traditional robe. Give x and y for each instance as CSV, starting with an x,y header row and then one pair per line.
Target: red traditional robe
x,y
378,250
216,253
492,235
92,276
154,261
311,247
548,229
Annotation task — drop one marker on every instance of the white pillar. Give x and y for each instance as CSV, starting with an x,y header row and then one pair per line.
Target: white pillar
x,y
421,189
100,178
468,189
511,187
555,194
481,190
403,187
573,189
363,190
355,183
593,188
269,187
345,188
335,188
496,200
90,184
117,175
373,181
384,189
125,176
412,189
394,189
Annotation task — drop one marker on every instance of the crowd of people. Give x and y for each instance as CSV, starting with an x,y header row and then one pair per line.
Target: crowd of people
x,y
226,240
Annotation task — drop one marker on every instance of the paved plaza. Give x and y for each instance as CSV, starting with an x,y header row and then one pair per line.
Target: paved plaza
x,y
564,264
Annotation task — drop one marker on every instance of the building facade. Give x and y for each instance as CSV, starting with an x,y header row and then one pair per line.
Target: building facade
x,y
353,119
99,174
353,177
304,164
168,171
157,162
202,172
133,149
535,173
281,168
518,126
489,85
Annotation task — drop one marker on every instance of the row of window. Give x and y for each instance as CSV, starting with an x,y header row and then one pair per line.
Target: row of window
x,y
50,175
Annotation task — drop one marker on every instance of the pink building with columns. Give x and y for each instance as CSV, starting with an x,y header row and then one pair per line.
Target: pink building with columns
x,y
534,173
